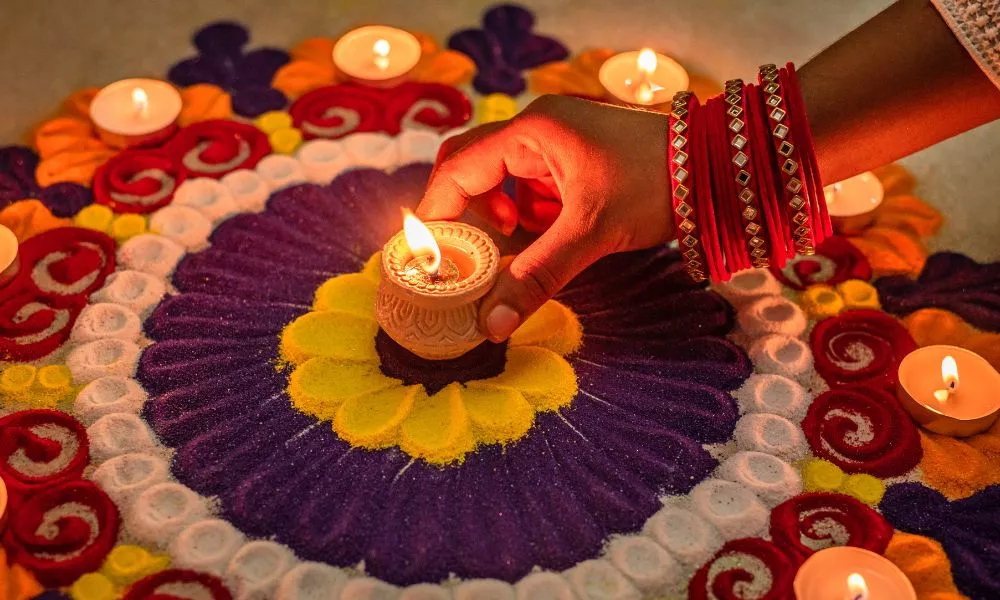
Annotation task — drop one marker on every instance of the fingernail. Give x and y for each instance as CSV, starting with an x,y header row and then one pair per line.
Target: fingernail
x,y
501,322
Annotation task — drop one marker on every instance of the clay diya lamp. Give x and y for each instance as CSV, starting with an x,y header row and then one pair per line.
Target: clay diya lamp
x,y
433,278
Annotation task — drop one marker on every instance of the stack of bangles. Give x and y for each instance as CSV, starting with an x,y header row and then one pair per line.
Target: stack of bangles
x,y
744,180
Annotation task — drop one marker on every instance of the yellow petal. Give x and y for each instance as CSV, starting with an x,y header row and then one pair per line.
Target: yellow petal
x,y
373,268
438,429
353,293
498,415
545,379
554,326
320,385
372,420
330,333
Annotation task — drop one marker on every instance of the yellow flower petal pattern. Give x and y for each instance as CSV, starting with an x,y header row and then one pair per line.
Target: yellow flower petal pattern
x,y
338,378
320,385
372,420
330,333
553,326
354,293
438,430
497,415
545,379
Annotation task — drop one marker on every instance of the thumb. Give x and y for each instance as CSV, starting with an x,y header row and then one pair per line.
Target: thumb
x,y
535,275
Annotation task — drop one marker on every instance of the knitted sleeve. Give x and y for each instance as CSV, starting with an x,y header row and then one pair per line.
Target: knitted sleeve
x,y
976,23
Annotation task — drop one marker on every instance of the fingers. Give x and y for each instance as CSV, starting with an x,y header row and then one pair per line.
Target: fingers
x,y
535,275
468,165
498,209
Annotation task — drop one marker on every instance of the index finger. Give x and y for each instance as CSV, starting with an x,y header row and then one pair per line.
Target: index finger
x,y
473,169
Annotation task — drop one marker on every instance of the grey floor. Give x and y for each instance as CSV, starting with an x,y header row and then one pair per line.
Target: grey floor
x,y
48,48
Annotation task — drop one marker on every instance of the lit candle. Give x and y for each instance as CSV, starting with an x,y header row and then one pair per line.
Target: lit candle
x,y
643,77
852,202
376,54
949,390
9,263
433,277
135,112
849,573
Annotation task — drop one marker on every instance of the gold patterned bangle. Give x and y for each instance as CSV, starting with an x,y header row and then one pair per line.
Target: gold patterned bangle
x,y
741,160
798,208
682,186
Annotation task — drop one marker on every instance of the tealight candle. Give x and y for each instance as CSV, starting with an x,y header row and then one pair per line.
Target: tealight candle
x,y
135,112
853,201
643,77
9,261
849,573
949,390
376,55
433,277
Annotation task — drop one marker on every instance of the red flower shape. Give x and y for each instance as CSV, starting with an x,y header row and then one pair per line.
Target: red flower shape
x,y
137,181
33,326
85,525
216,147
726,583
860,346
338,110
29,461
813,521
836,260
148,588
862,429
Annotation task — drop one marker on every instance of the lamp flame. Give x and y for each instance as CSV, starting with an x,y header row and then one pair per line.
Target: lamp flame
x,y
140,102
646,61
421,242
949,373
380,53
857,589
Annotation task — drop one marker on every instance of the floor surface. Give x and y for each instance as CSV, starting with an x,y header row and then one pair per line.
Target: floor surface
x,y
49,48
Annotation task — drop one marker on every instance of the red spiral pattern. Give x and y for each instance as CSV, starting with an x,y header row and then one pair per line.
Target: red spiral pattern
x,y
146,588
58,545
848,263
862,429
33,326
724,585
216,147
19,434
137,181
59,270
810,517
861,346
335,111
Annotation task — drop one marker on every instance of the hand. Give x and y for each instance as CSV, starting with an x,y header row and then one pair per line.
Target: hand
x,y
608,166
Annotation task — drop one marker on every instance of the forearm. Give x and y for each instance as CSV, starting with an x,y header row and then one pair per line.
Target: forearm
x,y
893,86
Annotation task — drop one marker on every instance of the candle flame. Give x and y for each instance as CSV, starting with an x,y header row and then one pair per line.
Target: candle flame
x,y
646,61
949,373
140,102
421,242
857,589
380,53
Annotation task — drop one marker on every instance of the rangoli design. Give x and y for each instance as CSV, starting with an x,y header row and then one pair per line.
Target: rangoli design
x,y
197,402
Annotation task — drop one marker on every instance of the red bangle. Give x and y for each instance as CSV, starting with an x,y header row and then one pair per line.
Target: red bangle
x,y
745,174
681,183
788,155
821,215
769,181
719,156
705,205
